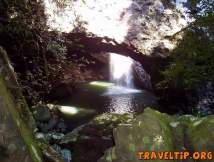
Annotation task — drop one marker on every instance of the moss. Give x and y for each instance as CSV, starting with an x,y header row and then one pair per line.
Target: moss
x,y
14,88
108,118
201,133
160,128
24,130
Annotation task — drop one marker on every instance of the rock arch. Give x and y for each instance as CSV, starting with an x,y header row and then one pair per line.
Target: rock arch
x,y
95,45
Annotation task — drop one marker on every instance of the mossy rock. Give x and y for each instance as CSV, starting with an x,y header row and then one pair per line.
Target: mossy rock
x,y
155,131
201,134
16,121
149,131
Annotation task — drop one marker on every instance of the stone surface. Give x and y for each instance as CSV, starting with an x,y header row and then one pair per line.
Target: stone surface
x,y
155,131
205,99
11,143
151,22
201,134
16,122
142,79
42,114
89,141
50,153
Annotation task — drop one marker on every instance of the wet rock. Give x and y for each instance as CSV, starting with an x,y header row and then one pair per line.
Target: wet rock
x,y
66,154
155,131
48,118
40,136
141,78
89,141
53,122
51,137
47,127
57,148
50,154
43,127
61,127
41,114
72,136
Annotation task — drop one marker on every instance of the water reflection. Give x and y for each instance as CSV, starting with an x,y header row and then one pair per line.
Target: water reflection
x,y
100,99
121,104
119,90
111,99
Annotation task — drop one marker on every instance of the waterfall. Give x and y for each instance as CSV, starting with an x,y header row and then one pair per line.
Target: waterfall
x,y
121,70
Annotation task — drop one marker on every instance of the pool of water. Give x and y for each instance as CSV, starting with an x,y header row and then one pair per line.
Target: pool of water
x,y
104,97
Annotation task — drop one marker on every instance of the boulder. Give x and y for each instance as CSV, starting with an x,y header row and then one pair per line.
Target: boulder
x,y
42,114
155,131
90,141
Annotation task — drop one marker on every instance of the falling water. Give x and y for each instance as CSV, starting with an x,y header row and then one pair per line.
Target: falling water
x,y
121,70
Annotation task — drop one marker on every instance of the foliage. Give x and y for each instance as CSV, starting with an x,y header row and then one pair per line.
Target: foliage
x,y
39,56
193,60
23,35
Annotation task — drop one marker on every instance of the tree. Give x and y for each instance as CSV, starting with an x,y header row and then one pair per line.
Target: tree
x,y
193,60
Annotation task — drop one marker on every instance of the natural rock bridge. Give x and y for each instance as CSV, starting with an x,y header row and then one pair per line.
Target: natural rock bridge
x,y
95,45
